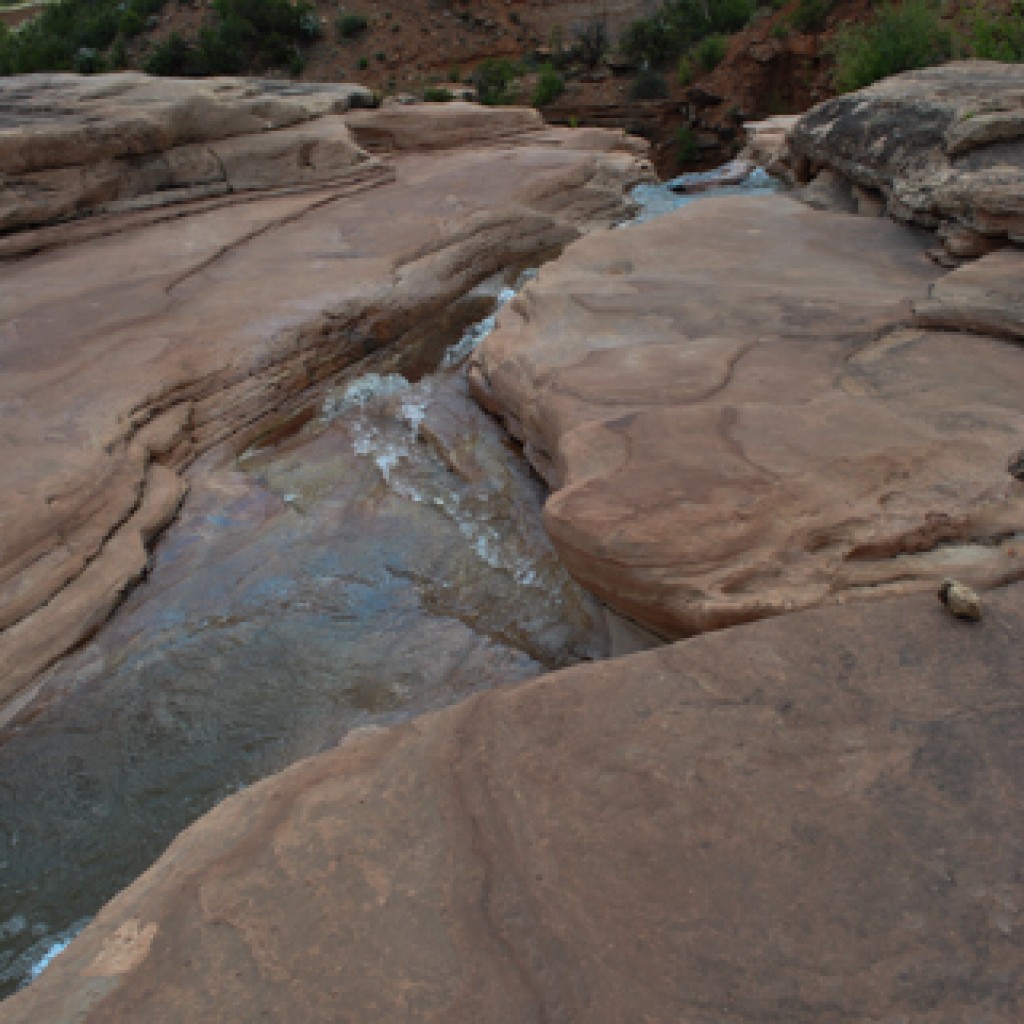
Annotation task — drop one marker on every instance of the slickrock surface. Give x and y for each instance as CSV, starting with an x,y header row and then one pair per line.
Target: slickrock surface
x,y
133,341
943,147
986,295
71,144
815,818
735,423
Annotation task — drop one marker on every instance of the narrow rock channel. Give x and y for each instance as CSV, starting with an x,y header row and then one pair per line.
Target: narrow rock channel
x,y
382,558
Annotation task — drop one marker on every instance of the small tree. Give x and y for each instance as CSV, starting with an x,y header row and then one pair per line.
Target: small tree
x,y
550,86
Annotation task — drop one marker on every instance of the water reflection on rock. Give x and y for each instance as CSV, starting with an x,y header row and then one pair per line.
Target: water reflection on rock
x,y
386,559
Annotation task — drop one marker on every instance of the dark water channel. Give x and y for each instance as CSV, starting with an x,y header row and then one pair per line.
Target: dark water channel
x,y
386,559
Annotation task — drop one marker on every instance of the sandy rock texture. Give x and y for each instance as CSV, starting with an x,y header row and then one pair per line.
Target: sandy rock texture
x,y
814,818
134,339
738,416
71,145
942,147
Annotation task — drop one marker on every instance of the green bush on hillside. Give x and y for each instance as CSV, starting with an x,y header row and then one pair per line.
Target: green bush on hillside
x,y
73,35
810,15
248,35
997,37
900,38
493,79
550,86
686,145
710,51
679,24
349,26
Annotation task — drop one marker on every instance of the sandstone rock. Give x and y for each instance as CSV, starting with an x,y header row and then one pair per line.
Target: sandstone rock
x,y
72,145
767,144
139,338
829,191
735,422
986,296
814,818
732,173
944,145
440,125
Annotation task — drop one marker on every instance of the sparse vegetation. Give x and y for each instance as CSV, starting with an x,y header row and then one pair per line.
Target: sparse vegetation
x,y
350,26
679,24
900,38
649,85
684,72
550,86
493,79
248,35
810,15
72,35
710,51
437,94
997,37
686,145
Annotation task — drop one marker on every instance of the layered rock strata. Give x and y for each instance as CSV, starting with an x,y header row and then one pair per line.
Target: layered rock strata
x,y
942,148
133,340
811,818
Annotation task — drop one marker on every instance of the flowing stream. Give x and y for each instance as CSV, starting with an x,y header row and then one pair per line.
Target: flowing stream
x,y
386,558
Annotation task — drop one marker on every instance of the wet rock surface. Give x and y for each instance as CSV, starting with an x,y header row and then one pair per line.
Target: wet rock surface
x,y
386,559
811,818
132,343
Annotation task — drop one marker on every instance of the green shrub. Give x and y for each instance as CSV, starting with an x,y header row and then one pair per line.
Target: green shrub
x,y
247,35
685,71
72,35
550,86
493,80
176,58
363,63
900,38
710,51
454,75
649,85
997,37
349,26
435,94
686,145
679,24
810,15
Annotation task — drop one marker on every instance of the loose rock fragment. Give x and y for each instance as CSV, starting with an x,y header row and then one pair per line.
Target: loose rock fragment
x,y
963,602
1016,465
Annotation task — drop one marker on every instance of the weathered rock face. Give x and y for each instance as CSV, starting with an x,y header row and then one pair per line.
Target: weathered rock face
x,y
944,148
737,419
813,818
71,145
133,341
